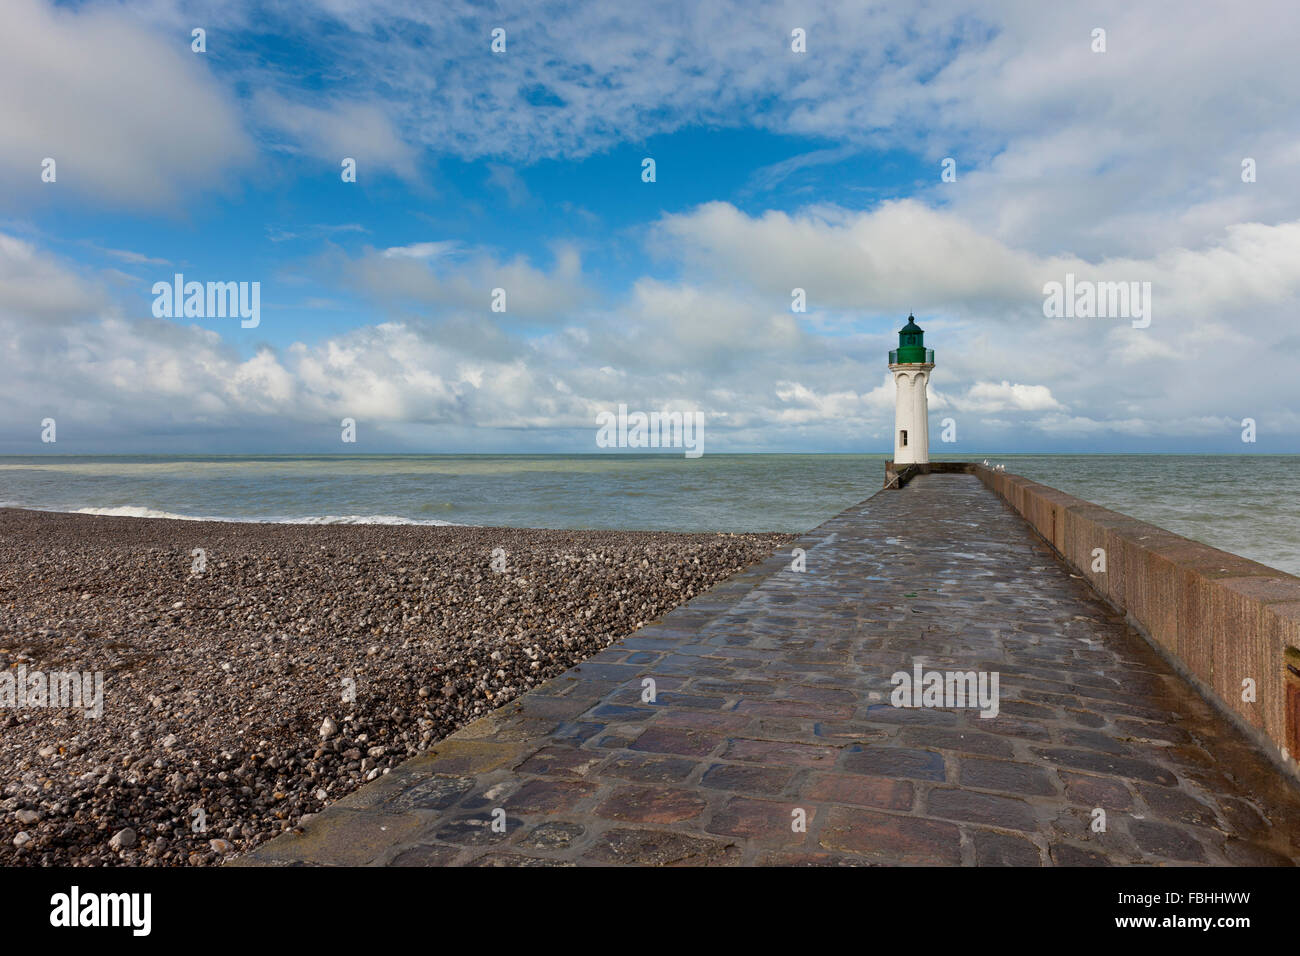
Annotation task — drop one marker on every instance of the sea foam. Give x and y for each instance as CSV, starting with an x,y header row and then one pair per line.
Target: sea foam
x,y
140,511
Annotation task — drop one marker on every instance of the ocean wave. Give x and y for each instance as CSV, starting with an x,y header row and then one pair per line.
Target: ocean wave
x,y
366,519
140,511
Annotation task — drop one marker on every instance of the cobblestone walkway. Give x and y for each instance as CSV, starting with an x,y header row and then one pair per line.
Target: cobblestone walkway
x,y
773,706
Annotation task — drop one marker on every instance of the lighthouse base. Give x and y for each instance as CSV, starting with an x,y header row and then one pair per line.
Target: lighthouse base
x,y
899,473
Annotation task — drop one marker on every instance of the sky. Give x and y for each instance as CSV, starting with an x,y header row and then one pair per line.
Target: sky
x,y
795,146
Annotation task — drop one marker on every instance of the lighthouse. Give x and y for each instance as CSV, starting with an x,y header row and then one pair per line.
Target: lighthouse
x,y
911,363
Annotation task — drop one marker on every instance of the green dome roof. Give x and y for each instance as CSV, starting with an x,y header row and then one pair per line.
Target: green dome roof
x,y
911,345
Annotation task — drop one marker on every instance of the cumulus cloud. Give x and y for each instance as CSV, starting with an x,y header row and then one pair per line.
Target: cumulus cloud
x,y
1058,149
129,115
903,254
887,260
1003,396
1123,166
37,291
722,341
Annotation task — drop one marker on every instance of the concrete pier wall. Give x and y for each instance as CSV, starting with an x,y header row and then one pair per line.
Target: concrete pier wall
x,y
1220,619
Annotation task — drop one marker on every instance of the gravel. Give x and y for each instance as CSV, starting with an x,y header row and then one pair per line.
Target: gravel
x,y
301,662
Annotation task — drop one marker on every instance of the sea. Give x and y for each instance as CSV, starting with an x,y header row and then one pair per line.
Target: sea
x,y
1246,504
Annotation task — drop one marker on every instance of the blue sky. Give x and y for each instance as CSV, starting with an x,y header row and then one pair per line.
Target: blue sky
x,y
297,210
521,170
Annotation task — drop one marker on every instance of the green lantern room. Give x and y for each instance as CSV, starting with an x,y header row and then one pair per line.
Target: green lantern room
x,y
911,346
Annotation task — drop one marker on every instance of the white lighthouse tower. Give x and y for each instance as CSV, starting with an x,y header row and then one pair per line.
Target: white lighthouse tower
x,y
911,364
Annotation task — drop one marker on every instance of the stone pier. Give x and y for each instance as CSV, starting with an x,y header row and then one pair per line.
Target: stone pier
x,y
770,737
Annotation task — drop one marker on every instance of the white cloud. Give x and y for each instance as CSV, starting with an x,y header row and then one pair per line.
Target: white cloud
x,y
902,255
130,115
763,375
35,290
135,258
333,130
1116,167
1003,396
1059,149
422,250
510,182
438,276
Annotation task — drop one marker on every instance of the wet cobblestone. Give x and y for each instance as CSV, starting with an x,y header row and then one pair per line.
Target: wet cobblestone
x,y
771,738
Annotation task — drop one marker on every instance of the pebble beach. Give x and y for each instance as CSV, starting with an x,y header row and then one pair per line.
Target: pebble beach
x,y
254,673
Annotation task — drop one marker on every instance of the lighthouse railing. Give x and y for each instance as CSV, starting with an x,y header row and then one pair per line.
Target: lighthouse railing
x,y
893,357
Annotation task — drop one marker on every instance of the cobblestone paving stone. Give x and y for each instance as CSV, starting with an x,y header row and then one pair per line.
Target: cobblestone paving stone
x,y
773,696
